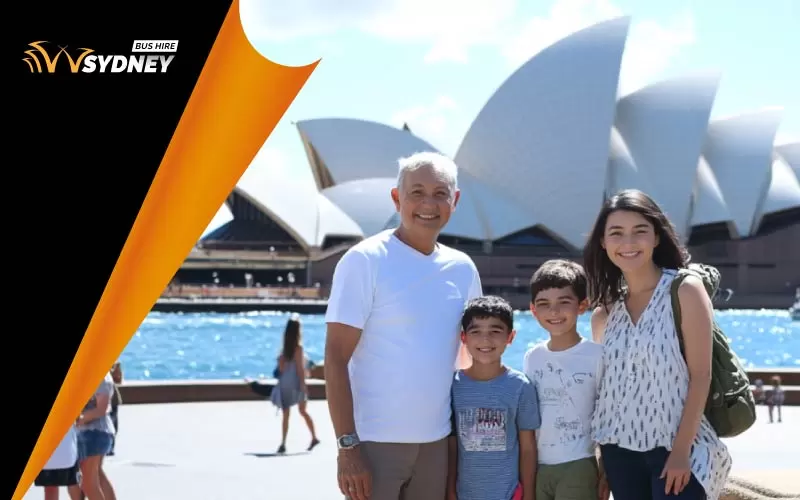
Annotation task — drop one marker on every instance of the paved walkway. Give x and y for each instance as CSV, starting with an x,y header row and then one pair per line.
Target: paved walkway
x,y
225,451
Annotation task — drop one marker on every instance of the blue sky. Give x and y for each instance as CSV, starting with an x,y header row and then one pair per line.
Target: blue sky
x,y
435,63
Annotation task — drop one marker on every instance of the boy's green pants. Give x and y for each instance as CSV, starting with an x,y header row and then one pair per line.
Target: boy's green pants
x,y
576,480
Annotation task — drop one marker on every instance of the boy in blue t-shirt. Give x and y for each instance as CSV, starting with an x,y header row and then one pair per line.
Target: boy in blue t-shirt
x,y
495,413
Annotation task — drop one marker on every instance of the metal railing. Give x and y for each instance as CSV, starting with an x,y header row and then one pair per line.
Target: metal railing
x,y
212,291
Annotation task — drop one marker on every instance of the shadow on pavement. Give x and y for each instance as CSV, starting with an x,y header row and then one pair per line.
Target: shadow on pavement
x,y
270,455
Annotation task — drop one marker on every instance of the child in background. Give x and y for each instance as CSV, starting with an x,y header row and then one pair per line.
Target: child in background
x,y
61,469
495,413
775,398
566,371
758,392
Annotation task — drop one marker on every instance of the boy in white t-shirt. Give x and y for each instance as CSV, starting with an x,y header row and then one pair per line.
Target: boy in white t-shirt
x,y
566,371
62,468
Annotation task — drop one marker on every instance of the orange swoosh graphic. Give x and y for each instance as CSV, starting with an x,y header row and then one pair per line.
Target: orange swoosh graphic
x,y
239,98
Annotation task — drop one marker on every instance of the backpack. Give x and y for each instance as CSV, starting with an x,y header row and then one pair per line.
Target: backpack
x,y
731,407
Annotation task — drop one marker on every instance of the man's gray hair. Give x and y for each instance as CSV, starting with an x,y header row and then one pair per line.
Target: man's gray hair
x,y
436,161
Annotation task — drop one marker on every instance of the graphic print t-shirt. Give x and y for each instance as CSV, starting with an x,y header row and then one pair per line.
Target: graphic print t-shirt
x,y
566,383
487,416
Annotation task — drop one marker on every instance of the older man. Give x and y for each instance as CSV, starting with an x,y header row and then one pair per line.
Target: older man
x,y
393,341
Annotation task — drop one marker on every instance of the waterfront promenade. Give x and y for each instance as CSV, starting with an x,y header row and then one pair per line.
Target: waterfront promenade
x,y
225,451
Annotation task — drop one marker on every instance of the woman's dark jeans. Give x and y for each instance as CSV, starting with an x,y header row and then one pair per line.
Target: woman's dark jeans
x,y
635,475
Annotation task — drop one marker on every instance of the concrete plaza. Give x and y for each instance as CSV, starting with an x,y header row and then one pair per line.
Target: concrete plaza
x,y
226,451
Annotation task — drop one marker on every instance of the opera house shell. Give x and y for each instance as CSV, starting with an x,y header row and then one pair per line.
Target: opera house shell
x,y
548,146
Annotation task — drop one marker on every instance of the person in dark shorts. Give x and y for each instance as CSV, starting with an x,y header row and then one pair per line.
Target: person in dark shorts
x,y
58,472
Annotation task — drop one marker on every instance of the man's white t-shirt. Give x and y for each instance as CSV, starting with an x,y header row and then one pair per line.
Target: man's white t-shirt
x,y
409,307
567,383
66,454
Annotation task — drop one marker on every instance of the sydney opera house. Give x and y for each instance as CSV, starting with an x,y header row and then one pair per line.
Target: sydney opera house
x,y
535,165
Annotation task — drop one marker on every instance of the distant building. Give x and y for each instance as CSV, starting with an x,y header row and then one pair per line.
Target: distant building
x,y
535,165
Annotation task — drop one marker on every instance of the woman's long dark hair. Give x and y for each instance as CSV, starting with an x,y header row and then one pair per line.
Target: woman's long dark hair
x,y
291,338
605,278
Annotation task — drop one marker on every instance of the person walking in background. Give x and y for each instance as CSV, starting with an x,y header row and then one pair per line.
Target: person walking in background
x,y
291,388
62,469
392,342
775,398
566,371
759,395
116,400
95,436
656,443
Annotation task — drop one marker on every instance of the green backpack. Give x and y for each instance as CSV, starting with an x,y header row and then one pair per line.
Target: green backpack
x,y
731,407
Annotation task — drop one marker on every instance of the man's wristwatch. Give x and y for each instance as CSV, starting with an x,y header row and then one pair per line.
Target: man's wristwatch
x,y
347,441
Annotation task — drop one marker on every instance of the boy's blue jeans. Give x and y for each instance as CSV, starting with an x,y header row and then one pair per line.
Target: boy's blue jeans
x,y
635,475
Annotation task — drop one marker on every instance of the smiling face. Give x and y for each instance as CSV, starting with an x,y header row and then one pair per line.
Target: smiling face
x,y
629,240
557,310
486,339
425,200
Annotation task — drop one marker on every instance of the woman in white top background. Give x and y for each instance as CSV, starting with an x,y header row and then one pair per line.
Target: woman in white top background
x,y
649,420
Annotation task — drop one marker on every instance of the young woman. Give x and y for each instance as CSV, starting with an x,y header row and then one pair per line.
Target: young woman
x,y
95,437
655,441
291,388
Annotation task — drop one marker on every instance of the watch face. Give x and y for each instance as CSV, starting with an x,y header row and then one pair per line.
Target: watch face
x,y
347,441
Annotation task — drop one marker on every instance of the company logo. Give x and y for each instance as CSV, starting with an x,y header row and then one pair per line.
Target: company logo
x,y
147,56
39,55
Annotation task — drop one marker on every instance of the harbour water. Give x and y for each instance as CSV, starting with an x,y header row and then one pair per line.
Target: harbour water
x,y
232,346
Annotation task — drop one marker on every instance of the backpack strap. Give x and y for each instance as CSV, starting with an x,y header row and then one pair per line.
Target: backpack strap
x,y
676,305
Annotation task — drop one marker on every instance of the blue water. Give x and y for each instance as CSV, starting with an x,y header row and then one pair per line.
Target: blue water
x,y
233,346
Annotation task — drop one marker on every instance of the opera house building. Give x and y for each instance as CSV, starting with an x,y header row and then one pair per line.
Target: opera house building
x,y
556,133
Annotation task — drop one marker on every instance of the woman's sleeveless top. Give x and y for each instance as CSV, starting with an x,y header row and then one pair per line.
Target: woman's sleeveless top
x,y
644,386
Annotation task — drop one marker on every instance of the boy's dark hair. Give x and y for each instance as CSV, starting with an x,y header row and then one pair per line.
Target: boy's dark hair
x,y
488,306
559,273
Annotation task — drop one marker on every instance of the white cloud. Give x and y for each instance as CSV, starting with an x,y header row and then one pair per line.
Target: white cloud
x,y
449,27
785,137
428,121
565,17
279,20
650,48
273,165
